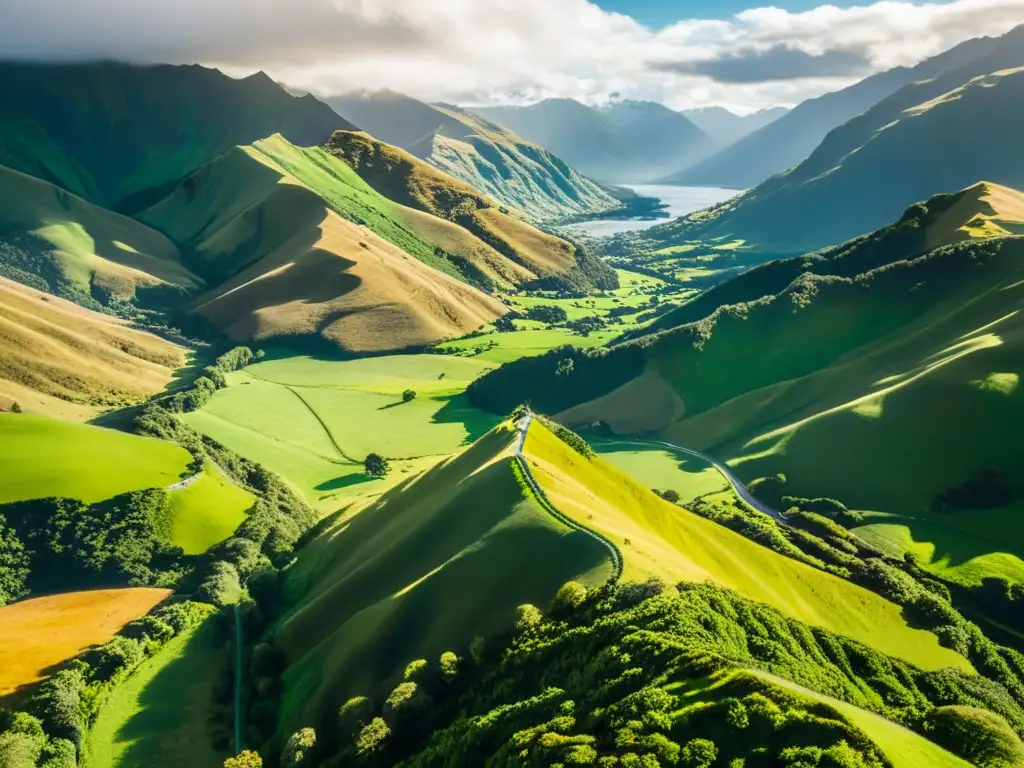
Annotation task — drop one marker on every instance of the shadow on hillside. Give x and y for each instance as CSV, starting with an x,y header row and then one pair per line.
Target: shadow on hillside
x,y
169,727
457,410
345,481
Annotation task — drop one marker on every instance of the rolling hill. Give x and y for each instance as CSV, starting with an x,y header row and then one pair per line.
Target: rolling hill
x,y
793,137
63,244
865,173
117,134
625,142
60,359
836,367
516,173
375,589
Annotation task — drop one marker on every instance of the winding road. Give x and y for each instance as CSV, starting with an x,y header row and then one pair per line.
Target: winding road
x,y
737,486
523,425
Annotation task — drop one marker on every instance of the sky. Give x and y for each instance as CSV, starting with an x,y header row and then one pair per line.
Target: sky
x,y
684,53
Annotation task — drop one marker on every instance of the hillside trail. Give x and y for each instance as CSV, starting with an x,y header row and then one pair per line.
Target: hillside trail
x,y
523,426
183,484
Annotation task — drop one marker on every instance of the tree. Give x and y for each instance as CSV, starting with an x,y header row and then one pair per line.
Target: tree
x,y
15,407
373,736
449,666
298,748
246,759
668,495
527,617
408,395
476,649
504,324
699,753
569,597
376,465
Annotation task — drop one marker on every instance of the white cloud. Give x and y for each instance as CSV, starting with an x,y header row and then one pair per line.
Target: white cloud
x,y
484,51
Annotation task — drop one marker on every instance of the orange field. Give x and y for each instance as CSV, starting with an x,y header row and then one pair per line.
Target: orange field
x,y
37,634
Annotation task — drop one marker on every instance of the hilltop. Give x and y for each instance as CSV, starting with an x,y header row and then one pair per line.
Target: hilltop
x,y
119,134
624,142
518,174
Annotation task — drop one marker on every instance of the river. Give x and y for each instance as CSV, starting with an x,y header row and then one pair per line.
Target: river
x,y
680,201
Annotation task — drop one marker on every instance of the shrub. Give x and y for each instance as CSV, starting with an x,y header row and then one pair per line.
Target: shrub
x,y
668,495
376,465
981,737
353,715
569,597
408,395
415,669
297,749
15,407
449,666
699,753
527,617
403,703
246,759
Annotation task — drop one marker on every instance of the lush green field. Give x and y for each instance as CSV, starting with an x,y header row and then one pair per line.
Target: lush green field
x,y
901,746
158,717
43,457
421,571
660,468
664,540
314,421
207,511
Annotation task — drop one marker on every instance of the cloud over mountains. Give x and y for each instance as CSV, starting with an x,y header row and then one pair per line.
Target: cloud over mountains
x,y
492,50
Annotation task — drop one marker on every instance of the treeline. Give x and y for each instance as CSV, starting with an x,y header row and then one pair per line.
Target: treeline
x,y
612,678
198,394
50,730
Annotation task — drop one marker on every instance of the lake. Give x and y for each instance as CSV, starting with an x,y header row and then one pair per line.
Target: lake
x,y
680,201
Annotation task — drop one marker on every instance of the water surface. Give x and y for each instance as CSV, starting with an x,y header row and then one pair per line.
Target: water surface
x,y
680,201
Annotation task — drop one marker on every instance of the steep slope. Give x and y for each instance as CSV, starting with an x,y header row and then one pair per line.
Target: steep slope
x,y
60,359
724,127
923,150
422,571
58,242
793,137
624,144
298,244
516,173
116,134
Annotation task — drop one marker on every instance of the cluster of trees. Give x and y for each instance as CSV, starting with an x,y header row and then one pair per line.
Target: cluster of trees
x,y
547,313
50,730
54,544
567,436
198,394
596,680
988,489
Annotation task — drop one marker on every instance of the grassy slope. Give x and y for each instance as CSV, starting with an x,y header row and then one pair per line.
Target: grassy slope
x,y
39,633
293,415
77,247
673,544
411,182
59,359
661,469
110,131
518,174
902,747
299,244
376,590
158,717
44,457
207,511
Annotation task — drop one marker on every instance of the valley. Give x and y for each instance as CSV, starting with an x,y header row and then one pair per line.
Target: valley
x,y
355,428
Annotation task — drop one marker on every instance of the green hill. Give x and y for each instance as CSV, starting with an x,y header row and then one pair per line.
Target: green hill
x,y
625,142
867,171
518,174
792,138
836,376
421,571
116,134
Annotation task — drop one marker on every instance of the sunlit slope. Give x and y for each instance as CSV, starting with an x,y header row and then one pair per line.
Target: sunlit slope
x,y
57,242
413,183
515,172
661,539
438,560
929,147
117,133
60,359
300,246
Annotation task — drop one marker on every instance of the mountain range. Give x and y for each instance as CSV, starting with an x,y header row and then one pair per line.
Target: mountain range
x,y
625,141
724,127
